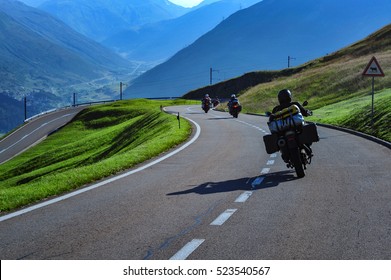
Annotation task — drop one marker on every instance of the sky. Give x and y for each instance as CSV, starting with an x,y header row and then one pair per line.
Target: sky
x,y
186,3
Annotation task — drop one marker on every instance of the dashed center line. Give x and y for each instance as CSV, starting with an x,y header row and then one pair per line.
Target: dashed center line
x,y
265,170
270,162
223,217
189,248
257,182
244,196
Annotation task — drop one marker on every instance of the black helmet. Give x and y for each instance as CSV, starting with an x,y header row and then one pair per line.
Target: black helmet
x,y
284,96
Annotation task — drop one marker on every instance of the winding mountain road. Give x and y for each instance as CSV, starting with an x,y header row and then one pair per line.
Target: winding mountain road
x,y
221,197
35,131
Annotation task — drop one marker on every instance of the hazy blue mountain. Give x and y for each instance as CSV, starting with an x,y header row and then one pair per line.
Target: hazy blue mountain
x,y
41,56
33,3
159,41
99,19
262,37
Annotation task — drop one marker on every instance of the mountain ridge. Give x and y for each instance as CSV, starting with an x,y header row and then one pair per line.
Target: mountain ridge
x,y
161,40
262,37
98,19
39,55
378,42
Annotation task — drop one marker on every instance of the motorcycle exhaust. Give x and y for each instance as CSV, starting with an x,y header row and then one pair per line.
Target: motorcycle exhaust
x,y
281,142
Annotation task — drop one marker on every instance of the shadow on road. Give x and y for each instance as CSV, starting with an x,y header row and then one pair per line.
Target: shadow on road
x,y
218,187
276,178
195,113
270,180
219,118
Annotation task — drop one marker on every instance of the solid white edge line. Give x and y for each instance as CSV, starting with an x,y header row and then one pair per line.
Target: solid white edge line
x,y
189,248
97,185
32,132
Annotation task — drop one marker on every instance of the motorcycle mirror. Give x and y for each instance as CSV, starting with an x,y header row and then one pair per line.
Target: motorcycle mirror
x,y
268,114
305,103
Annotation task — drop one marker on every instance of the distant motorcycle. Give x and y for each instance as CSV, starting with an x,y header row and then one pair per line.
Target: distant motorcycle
x,y
206,106
292,137
215,102
235,108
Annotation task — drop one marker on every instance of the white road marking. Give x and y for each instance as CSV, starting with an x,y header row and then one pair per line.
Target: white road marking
x,y
105,182
265,170
42,125
273,155
223,217
270,162
244,196
189,248
257,182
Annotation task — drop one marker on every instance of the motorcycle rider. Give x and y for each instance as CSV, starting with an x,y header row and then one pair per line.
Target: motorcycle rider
x,y
233,99
285,100
206,100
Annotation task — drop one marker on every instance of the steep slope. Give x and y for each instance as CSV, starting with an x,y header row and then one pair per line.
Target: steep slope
x,y
56,32
333,85
262,37
40,55
161,40
334,77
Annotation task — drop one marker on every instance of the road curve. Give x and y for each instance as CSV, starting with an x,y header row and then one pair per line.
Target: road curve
x,y
34,131
223,197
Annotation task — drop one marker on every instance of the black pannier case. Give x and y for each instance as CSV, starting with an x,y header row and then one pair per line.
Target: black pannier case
x,y
309,134
271,143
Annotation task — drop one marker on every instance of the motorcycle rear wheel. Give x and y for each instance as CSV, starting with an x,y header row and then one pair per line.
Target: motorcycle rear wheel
x,y
296,161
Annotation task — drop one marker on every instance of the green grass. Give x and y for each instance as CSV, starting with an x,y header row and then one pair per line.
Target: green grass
x,y
356,113
100,141
334,85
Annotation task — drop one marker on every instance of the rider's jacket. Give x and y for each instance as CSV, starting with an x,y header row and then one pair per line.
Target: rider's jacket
x,y
303,111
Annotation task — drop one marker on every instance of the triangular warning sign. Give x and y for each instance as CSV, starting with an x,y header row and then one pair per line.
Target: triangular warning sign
x,y
373,69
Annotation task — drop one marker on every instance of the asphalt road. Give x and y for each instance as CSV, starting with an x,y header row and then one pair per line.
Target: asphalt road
x,y
222,197
34,131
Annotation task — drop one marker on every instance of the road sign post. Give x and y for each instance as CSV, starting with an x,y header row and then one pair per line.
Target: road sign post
x,y
373,70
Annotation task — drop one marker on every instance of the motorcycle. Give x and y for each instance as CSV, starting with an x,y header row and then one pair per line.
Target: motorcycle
x,y
215,102
292,136
235,108
206,106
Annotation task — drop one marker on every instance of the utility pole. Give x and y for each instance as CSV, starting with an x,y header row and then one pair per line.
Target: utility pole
x,y
289,60
74,99
211,75
120,89
25,108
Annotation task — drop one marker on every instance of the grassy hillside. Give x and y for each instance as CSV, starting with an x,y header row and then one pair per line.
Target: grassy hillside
x,y
323,82
100,141
355,113
328,81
